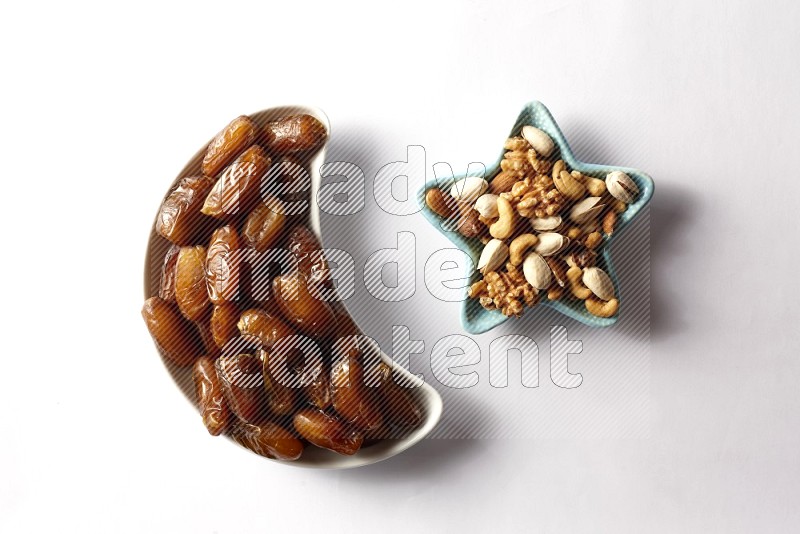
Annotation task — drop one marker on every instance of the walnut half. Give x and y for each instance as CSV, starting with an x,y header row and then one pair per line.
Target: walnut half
x,y
505,290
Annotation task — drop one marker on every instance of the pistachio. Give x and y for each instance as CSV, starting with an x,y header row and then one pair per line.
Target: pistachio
x,y
544,224
536,271
540,141
486,205
599,282
468,189
621,186
551,243
586,210
494,254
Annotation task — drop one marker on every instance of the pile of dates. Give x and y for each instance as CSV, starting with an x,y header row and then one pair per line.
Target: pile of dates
x,y
277,363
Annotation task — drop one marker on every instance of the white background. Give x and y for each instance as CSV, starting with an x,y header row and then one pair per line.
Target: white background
x,y
102,104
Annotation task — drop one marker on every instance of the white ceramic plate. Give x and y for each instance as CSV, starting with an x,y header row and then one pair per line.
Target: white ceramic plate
x,y
429,400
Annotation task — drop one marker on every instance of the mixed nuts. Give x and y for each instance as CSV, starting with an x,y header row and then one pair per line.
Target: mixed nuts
x,y
539,217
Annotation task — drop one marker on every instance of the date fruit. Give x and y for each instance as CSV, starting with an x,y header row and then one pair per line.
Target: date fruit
x,y
179,219
229,143
296,133
203,327
306,248
318,389
210,398
263,226
171,331
222,264
352,398
266,327
309,315
326,431
243,385
224,317
238,187
279,383
190,283
290,180
269,440
167,289
397,401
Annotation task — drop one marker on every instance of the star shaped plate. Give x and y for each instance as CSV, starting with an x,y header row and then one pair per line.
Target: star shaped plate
x,y
477,319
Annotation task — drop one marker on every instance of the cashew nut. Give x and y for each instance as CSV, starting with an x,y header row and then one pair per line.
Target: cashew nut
x,y
576,287
602,308
557,168
574,274
520,246
504,226
569,186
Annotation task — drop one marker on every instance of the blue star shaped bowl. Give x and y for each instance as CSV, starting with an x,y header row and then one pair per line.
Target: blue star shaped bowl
x,y
477,319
